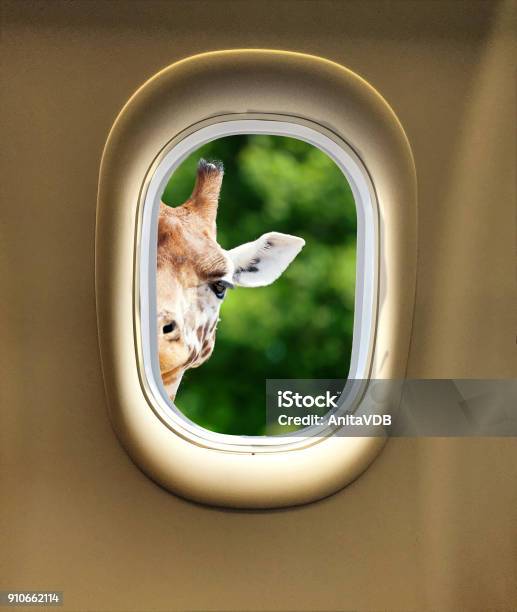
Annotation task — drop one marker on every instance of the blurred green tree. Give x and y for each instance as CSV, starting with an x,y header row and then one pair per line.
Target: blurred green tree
x,y
301,325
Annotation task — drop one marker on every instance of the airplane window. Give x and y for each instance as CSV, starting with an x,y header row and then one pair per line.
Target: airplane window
x,y
256,226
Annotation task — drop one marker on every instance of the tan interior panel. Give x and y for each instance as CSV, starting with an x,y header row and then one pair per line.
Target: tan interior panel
x,y
431,525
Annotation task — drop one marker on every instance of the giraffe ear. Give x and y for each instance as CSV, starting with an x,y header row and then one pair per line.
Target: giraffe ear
x,y
261,262
205,197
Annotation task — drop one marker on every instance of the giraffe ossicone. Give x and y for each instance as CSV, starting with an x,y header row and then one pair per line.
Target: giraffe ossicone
x,y
194,273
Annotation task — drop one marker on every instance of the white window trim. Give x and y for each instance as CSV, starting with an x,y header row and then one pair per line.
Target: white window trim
x,y
366,275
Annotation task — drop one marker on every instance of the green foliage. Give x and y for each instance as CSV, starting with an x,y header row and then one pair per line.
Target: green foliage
x,y
298,327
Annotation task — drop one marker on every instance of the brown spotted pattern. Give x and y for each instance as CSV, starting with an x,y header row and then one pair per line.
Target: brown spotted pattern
x,y
189,261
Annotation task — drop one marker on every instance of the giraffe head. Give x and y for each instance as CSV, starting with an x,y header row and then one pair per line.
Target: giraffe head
x,y
194,272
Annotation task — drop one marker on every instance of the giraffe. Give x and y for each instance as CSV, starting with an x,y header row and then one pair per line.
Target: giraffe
x,y
194,274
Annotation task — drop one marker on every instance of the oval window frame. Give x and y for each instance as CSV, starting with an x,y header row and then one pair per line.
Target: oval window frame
x,y
367,270
247,85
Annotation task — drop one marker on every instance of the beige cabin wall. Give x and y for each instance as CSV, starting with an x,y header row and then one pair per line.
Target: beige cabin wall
x,y
431,525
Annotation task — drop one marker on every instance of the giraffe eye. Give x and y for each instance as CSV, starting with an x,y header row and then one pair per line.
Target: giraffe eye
x,y
170,327
219,289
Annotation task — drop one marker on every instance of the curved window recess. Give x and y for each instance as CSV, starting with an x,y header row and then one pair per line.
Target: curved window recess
x,y
268,92
366,273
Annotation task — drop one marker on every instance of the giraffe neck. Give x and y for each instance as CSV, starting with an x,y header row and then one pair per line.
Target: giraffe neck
x,y
172,384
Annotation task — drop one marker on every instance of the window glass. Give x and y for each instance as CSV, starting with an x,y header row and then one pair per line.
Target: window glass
x,y
299,324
